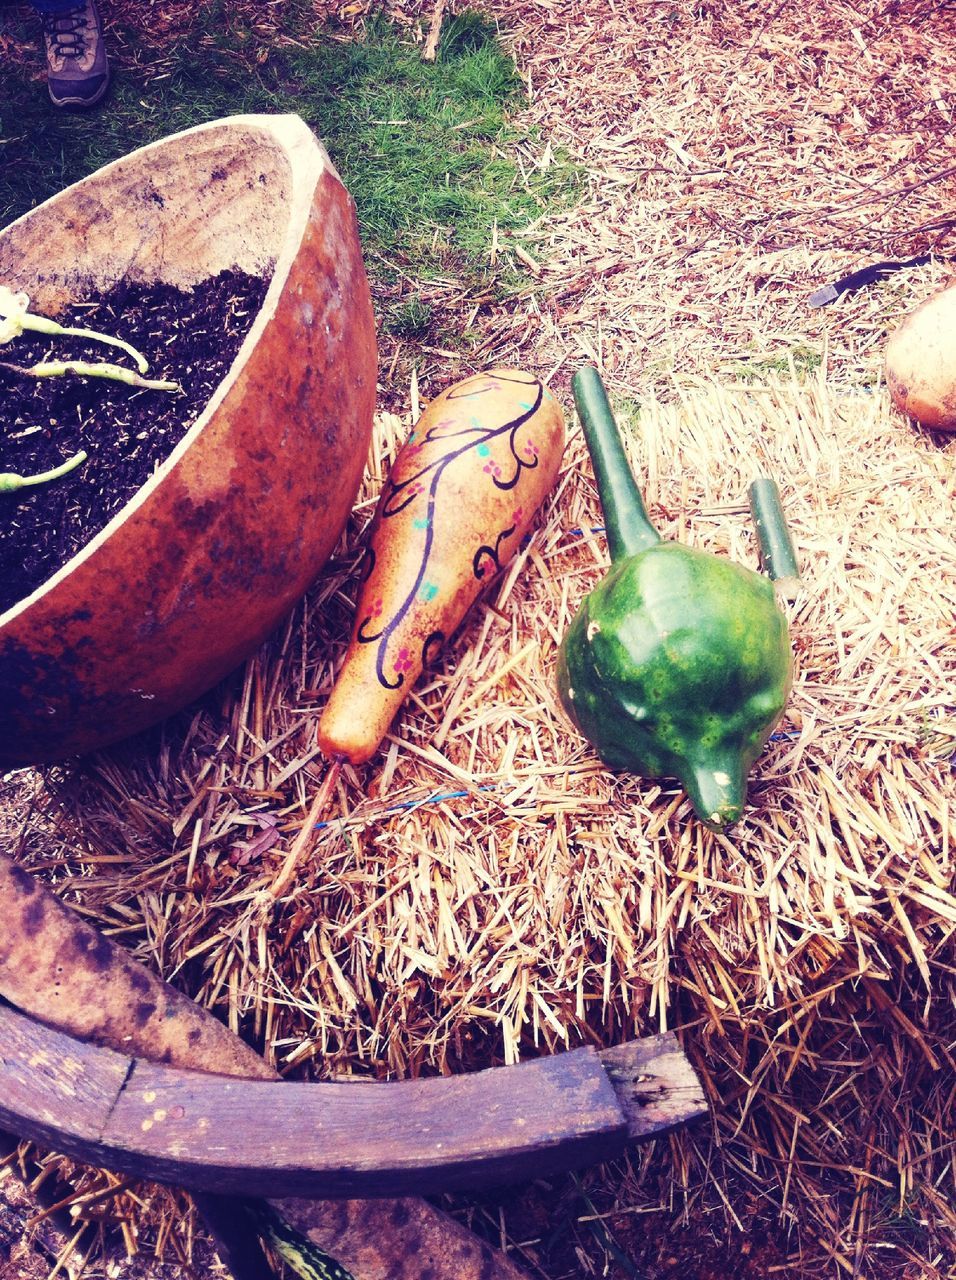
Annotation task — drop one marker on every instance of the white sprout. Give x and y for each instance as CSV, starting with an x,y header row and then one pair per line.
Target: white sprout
x,y
15,318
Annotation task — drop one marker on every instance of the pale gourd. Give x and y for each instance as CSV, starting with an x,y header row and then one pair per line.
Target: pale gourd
x,y
921,362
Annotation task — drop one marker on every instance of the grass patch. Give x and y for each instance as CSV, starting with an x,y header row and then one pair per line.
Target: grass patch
x,y
801,359
411,319
429,151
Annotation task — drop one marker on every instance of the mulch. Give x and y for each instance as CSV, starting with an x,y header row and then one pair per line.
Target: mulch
x,y
188,337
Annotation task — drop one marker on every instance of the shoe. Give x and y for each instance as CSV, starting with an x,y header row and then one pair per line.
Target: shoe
x,y
77,71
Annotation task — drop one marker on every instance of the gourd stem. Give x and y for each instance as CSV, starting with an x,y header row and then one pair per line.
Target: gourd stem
x,y
777,555
629,530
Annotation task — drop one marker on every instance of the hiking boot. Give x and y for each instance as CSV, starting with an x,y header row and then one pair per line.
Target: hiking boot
x,y
77,70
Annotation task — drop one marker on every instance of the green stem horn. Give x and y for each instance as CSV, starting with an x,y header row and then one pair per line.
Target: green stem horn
x,y
629,529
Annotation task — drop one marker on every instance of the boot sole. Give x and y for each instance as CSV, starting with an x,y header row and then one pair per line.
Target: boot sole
x,y
80,104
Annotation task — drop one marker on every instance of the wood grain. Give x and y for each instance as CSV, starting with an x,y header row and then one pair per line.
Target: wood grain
x,y
50,1090
57,968
256,1137
655,1085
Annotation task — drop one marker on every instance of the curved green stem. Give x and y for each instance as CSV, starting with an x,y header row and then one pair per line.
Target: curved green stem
x,y
40,324
629,529
10,481
86,369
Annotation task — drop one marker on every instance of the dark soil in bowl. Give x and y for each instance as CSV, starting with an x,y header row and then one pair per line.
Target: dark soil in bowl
x,y
188,337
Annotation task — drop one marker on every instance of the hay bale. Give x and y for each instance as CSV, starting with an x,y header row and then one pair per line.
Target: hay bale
x,y
485,890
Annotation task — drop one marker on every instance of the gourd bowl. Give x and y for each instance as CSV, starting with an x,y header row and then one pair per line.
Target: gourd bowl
x,y
229,532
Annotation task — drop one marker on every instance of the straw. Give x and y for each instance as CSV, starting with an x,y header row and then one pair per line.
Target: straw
x,y
485,890
502,894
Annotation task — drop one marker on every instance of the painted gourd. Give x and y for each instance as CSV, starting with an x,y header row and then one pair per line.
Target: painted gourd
x,y
678,663
460,496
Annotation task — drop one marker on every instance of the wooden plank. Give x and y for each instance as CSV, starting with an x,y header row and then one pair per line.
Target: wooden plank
x,y
57,969
655,1085
261,1137
51,1089
505,1124
256,1137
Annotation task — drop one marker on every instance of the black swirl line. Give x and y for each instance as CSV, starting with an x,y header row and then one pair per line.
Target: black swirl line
x,y
510,484
436,433
389,684
437,468
432,647
397,490
493,553
482,436
389,630
520,463
368,564
489,386
362,635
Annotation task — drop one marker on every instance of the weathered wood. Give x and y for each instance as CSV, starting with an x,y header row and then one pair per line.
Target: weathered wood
x,y
60,970
501,1125
52,1091
256,1138
67,975
57,967
655,1085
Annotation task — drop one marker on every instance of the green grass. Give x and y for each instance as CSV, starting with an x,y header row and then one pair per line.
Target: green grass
x,y
411,319
804,360
427,150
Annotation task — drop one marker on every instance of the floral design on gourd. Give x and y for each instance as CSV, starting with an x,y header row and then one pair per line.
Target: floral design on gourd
x,y
422,485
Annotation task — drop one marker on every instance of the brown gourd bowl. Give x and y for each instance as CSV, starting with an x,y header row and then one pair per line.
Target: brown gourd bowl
x,y
204,561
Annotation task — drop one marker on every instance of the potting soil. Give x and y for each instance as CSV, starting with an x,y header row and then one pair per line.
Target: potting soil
x,y
190,338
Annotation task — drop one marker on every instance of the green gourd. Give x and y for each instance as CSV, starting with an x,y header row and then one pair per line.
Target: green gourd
x,y
678,663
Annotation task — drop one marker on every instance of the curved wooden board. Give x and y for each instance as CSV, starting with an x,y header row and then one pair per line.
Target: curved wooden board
x,y
274,1138
59,971
259,1137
